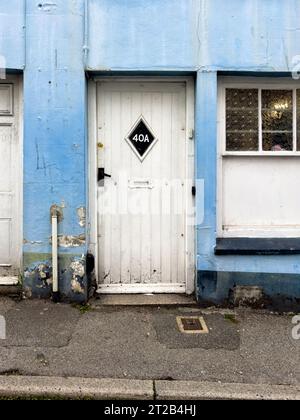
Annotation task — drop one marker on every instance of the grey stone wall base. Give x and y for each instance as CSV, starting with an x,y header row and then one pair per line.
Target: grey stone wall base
x,y
274,291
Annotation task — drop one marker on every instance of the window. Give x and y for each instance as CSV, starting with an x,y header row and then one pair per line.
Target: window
x,y
277,120
242,120
262,120
259,151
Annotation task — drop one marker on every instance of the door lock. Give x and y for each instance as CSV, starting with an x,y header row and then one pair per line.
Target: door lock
x,y
102,174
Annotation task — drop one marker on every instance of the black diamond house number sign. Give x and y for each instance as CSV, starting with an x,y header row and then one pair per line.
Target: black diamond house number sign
x,y
141,139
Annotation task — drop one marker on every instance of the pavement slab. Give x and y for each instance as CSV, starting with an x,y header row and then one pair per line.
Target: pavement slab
x,y
6,304
39,324
250,347
223,333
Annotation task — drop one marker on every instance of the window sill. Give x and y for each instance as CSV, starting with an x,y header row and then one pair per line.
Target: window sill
x,y
257,246
261,154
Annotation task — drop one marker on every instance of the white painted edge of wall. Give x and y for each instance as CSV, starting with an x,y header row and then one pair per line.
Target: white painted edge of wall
x,y
142,288
9,281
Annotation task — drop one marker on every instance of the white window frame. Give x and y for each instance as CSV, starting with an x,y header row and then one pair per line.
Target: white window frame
x,y
260,83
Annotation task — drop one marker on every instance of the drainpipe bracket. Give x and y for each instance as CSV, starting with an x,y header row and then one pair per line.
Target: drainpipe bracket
x,y
56,211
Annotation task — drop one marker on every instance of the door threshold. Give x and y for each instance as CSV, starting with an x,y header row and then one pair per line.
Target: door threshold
x,y
139,288
145,299
9,281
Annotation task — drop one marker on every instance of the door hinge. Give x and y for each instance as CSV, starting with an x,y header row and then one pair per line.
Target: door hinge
x,y
191,134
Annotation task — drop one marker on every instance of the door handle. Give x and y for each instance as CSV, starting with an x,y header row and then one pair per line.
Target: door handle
x,y
102,174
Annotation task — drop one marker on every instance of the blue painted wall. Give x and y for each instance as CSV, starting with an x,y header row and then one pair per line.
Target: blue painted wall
x,y
55,140
54,121
12,33
158,34
56,41
253,35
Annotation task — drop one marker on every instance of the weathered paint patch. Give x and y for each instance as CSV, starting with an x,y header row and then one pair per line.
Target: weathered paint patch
x,y
76,286
38,280
57,211
73,282
247,295
78,269
81,213
70,241
26,242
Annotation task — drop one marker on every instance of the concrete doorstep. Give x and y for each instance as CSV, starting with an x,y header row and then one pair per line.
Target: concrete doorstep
x,y
125,389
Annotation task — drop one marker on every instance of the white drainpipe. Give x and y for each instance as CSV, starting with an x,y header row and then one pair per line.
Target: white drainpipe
x,y
86,33
55,213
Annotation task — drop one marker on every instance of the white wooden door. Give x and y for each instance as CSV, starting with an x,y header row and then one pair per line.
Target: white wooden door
x,y
141,201
10,167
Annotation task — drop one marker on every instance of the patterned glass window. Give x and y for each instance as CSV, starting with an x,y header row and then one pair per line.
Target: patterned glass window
x,y
241,119
277,120
263,120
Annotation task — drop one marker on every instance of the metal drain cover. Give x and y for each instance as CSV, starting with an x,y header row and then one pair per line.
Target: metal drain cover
x,y
192,325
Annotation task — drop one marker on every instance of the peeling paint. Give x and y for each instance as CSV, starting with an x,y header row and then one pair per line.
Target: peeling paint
x,y
57,211
26,242
41,269
38,276
78,270
247,295
81,213
76,286
73,283
70,241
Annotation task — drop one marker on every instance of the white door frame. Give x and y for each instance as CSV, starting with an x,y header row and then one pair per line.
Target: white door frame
x,y
190,261
17,82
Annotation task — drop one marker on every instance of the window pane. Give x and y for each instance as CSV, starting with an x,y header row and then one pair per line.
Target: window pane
x,y
298,120
241,120
274,142
277,120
